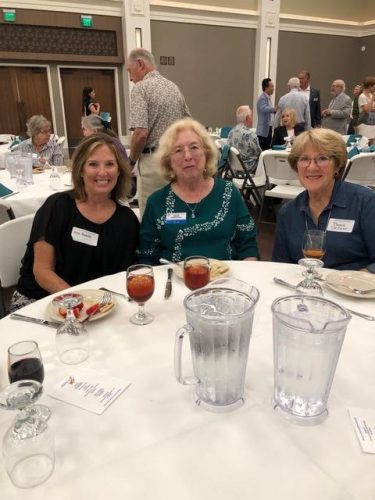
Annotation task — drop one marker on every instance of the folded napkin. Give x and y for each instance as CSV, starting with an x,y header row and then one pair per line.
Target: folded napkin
x,y
4,191
353,152
278,147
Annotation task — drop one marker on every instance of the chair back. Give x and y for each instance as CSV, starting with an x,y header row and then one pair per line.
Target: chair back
x,y
14,236
278,171
224,132
361,170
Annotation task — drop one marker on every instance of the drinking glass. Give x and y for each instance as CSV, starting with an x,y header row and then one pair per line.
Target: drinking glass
x,y
20,181
72,339
28,445
140,286
196,272
314,244
309,285
25,363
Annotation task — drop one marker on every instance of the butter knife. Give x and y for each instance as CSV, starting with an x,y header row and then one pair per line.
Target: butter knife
x,y
168,285
44,322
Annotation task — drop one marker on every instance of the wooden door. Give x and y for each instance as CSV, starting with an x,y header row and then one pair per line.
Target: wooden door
x,y
25,93
73,81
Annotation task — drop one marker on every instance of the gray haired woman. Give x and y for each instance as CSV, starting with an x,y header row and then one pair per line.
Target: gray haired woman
x,y
40,143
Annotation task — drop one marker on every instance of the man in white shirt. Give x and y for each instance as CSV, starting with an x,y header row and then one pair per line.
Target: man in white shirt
x,y
297,101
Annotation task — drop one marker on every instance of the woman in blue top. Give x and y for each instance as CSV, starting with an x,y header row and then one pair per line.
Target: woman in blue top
x,y
195,214
344,210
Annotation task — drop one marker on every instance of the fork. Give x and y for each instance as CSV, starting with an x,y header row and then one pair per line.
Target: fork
x,y
106,299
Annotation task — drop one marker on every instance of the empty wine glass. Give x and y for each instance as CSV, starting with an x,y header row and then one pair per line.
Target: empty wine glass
x,y
309,285
140,285
20,181
28,445
25,363
72,339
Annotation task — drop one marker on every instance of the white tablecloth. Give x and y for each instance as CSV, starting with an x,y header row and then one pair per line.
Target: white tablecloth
x,y
154,444
28,200
4,150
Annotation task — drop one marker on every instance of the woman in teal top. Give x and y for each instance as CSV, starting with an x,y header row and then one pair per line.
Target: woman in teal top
x,y
195,214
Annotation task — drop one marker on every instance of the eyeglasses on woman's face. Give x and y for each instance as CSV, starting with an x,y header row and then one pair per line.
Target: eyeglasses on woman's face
x,y
320,160
193,149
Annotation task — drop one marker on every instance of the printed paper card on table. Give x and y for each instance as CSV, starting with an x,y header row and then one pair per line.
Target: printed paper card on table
x,y
364,425
89,390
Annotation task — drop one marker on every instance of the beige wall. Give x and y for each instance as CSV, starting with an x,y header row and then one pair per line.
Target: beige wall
x,y
214,67
331,9
233,4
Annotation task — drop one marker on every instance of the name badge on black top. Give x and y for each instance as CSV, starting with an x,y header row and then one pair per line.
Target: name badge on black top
x,y
84,236
176,218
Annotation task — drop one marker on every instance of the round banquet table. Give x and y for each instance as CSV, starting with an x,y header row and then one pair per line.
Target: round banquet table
x,y
28,200
153,443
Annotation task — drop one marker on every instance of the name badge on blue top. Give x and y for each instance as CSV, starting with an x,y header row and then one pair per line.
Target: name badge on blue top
x,y
176,218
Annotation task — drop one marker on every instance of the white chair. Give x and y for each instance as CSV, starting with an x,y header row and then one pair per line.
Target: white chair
x,y
281,180
361,170
14,236
243,180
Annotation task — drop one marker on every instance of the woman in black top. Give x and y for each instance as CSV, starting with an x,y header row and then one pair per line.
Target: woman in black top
x,y
89,106
289,128
81,234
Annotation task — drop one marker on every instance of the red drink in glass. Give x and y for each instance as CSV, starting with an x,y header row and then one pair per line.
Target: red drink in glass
x,y
196,272
140,287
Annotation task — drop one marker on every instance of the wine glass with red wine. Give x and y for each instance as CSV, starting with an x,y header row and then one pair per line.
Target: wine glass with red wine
x,y
25,363
140,285
196,272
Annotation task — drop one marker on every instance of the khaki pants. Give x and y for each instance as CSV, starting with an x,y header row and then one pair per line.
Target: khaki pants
x,y
149,180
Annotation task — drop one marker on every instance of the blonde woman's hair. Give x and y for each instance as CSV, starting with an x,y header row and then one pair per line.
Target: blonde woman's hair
x,y
323,140
168,140
293,116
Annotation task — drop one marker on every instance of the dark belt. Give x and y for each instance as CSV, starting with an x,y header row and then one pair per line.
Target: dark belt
x,y
148,151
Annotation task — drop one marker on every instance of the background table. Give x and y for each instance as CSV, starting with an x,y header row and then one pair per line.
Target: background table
x,y
28,200
154,444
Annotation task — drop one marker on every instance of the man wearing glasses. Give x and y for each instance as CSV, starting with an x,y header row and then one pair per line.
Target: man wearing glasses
x,y
337,115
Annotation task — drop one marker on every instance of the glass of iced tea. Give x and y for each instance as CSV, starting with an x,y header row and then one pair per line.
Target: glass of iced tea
x,y
140,286
314,244
196,272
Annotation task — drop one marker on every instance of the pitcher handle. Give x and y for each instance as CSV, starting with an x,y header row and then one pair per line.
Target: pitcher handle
x,y
181,332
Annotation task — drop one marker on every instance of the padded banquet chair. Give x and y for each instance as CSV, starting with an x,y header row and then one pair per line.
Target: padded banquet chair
x,y
247,184
361,170
281,180
14,236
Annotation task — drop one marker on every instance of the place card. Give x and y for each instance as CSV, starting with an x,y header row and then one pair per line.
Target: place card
x,y
89,390
364,425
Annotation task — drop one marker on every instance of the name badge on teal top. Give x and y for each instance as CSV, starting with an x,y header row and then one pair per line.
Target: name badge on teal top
x,y
176,218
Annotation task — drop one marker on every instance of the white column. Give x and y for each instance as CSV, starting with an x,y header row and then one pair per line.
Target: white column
x,y
136,28
266,48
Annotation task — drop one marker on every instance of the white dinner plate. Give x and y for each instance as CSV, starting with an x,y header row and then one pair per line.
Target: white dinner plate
x,y
219,269
342,281
90,297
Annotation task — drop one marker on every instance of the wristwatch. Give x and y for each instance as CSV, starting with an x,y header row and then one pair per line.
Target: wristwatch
x,y
132,162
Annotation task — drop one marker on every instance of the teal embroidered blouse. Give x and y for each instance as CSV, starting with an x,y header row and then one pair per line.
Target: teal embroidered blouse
x,y
221,229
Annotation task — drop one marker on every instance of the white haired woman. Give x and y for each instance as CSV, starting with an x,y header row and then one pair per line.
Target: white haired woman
x,y
195,214
40,143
